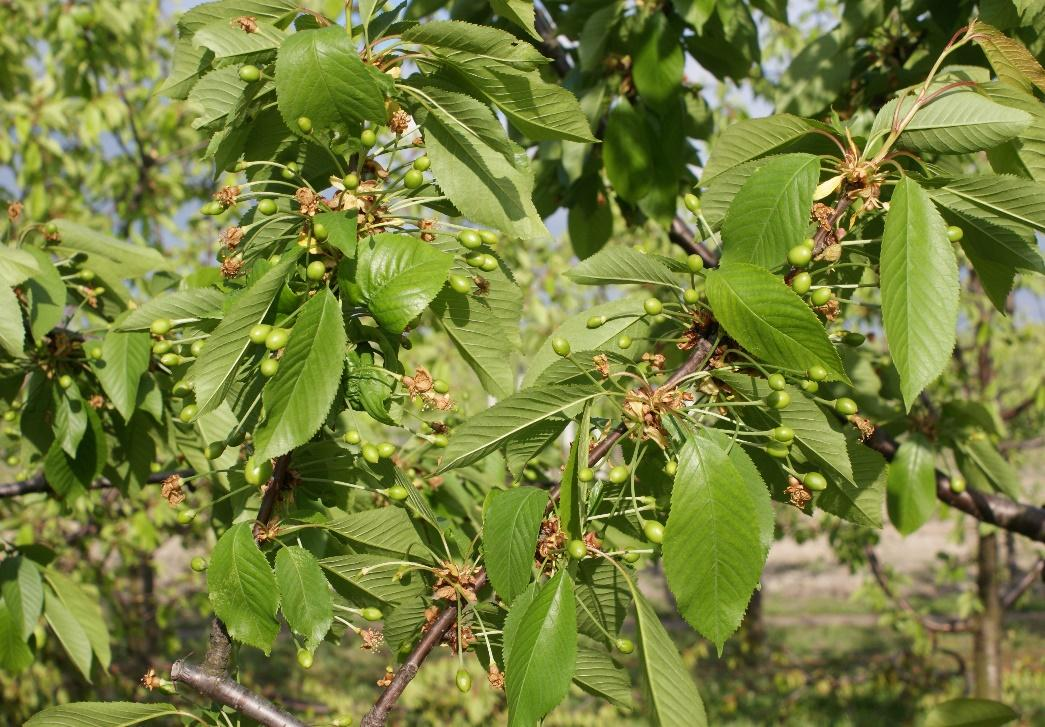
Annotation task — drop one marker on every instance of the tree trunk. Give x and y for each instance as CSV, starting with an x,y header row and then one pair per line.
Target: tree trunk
x,y
987,640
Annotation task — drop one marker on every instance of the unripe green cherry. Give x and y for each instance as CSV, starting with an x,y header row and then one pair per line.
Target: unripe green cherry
x,y
690,296
351,181
352,437
87,275
489,237
814,481
370,454
198,564
212,208
801,283
957,485
624,646
475,259
386,450
10,416
463,680
853,338
820,296
460,284
161,327
561,346
50,229
692,202
397,493
817,372
197,347
413,179
809,387
250,74
489,263
170,359
316,270
624,342
955,233
368,137
161,347
630,557
268,367
809,242
779,399
13,460
799,256
184,517
845,406
596,321
653,531
267,207
469,239
777,450
370,613
653,306
320,231
440,386
214,450
783,434
441,441
188,413
305,124
695,263
618,474
181,388
304,658
291,170
257,473
576,549
422,164
277,339
776,382
587,474
671,467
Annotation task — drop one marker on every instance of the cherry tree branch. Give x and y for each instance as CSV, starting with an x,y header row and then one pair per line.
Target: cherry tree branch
x,y
39,483
928,623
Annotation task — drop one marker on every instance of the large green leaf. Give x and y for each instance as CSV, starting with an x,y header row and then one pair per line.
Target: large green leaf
x,y
99,714
125,359
911,493
622,265
87,610
386,529
597,674
657,61
627,152
243,590
298,398
603,598
216,96
307,603
373,580
45,295
1004,196
766,317
15,654
979,458
967,712
957,122
319,75
69,632
399,276
130,260
511,522
272,11
542,657
490,429
673,699
228,40
486,176
178,306
214,371
770,213
713,553
919,282
818,73
746,140
519,12
12,330
465,43
23,593
1010,59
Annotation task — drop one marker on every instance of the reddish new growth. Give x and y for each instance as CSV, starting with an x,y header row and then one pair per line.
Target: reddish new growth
x,y
452,581
797,493
172,491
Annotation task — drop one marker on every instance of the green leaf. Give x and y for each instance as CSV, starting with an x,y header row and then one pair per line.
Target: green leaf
x,y
17,265
519,12
188,65
307,603
770,213
465,43
818,73
23,594
228,40
15,654
984,456
403,624
319,75
178,306
69,632
657,61
572,497
912,484
272,11
132,260
766,317
1003,196
957,122
598,674
672,697
486,176
372,579
713,554
12,330
1010,59
243,590
70,419
99,714
511,522
753,138
298,398
341,228
387,529
216,96
490,429
919,283
695,12
399,275
87,610
125,359
762,510
45,295
541,660
627,152
215,369
966,712
624,266
603,599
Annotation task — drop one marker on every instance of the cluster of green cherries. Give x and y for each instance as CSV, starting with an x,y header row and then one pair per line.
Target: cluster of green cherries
x,y
169,352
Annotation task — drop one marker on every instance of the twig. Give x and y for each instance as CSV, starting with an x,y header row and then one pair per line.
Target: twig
x,y
930,624
1017,589
38,483
233,694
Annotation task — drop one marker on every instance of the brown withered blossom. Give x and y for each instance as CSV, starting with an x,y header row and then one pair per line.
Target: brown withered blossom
x,y
420,383
399,122
226,196
602,364
307,200
426,227
439,427
387,678
246,23
267,532
453,580
831,254
830,310
655,360
231,237
495,677
797,493
864,425
231,266
14,211
647,408
592,540
172,491
550,540
467,639
372,639
96,401
822,214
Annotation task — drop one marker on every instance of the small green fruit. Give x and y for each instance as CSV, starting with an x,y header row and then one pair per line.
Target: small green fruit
x,y
801,283
561,346
776,382
413,179
821,296
692,203
695,263
305,124
576,549
460,284
370,454
587,474
809,242
489,237
817,373
368,137
250,74
853,338
304,658
779,399
810,387
422,164
397,493
815,481
351,181
955,233
596,321
783,434
267,207
624,646
386,449
212,208
316,270
87,275
188,413
291,170
463,680
489,263
441,441
184,517
214,450
259,333
160,327
690,295
161,347
170,359
440,386
352,437
257,473
198,564
197,347
182,388
845,406
653,531
652,306
631,557
277,339
799,256
671,467
624,342
370,613
268,367
777,450
618,474
320,231
957,485
475,259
